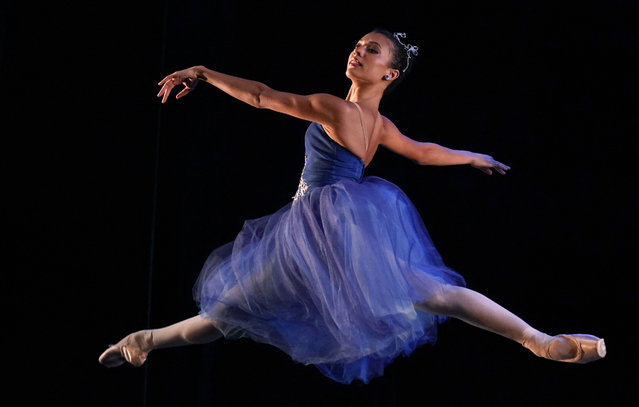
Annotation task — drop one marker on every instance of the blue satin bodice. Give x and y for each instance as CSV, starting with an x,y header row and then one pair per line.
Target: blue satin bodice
x,y
326,161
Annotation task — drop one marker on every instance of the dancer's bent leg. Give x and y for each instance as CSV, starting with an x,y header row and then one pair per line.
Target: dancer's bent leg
x,y
480,311
135,347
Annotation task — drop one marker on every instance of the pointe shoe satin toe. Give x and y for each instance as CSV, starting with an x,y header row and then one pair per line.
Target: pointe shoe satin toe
x,y
589,348
133,349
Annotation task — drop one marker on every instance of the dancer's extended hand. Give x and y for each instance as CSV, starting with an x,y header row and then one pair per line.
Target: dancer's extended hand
x,y
187,77
486,164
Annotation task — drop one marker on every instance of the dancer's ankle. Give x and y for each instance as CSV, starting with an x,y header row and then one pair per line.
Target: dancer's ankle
x,y
144,340
537,342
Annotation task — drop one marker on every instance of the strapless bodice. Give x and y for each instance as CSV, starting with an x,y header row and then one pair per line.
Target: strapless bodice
x,y
326,161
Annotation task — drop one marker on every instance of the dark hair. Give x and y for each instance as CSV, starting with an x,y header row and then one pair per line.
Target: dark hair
x,y
400,59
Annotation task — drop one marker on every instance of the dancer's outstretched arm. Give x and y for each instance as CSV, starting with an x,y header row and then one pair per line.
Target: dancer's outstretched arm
x,y
317,107
425,153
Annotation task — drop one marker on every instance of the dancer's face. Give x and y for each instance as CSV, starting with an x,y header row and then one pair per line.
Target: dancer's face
x,y
370,60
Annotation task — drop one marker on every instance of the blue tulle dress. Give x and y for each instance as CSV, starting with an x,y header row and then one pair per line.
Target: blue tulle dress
x,y
332,277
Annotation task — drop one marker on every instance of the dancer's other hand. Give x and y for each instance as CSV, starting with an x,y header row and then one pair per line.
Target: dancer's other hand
x,y
186,77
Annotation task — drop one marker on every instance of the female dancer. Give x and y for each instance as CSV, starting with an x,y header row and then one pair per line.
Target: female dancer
x,y
344,277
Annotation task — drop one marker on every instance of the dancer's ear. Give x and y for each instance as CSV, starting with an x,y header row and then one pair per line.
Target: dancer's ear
x,y
392,74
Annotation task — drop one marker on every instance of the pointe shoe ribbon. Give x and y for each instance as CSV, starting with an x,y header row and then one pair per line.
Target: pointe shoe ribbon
x,y
589,348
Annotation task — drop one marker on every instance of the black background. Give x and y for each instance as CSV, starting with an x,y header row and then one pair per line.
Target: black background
x,y
115,200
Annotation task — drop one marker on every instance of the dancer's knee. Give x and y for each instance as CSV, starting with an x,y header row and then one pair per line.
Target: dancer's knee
x,y
437,301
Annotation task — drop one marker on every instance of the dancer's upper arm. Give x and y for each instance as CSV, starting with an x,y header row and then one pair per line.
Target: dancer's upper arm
x,y
398,143
318,107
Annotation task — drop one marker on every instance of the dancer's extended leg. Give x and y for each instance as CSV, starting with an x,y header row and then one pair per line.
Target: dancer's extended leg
x,y
135,347
480,311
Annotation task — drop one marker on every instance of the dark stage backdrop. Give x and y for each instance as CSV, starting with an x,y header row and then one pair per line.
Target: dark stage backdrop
x,y
115,200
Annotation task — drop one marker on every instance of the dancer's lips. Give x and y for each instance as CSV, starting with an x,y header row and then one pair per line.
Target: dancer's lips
x,y
354,62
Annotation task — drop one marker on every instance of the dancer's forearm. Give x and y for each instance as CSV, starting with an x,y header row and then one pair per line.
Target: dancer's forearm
x,y
435,154
246,90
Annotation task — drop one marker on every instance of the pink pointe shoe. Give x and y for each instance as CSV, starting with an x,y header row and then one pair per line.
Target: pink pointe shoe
x,y
134,349
589,348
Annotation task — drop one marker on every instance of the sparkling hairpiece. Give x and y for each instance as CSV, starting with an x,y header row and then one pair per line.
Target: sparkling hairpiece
x,y
410,49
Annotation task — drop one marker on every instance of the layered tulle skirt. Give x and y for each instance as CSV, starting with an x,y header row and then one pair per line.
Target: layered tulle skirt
x,y
331,279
